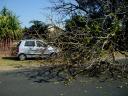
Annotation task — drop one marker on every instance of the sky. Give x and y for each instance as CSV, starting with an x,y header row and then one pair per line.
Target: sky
x,y
28,10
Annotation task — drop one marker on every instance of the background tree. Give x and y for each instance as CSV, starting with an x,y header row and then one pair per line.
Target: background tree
x,y
75,22
38,29
9,25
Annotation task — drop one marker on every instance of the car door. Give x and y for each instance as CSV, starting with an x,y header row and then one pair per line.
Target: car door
x,y
40,47
30,47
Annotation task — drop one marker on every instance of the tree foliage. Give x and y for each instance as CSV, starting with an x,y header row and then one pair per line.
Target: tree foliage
x,y
75,22
94,25
9,25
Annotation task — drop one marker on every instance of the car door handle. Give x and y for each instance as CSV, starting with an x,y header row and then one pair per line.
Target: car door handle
x,y
30,48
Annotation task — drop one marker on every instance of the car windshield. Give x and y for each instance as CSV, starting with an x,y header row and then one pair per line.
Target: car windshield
x,y
41,44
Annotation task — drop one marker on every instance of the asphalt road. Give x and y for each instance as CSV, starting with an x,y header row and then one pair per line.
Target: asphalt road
x,y
13,84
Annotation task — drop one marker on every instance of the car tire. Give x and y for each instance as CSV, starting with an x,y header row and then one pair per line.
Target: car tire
x,y
22,57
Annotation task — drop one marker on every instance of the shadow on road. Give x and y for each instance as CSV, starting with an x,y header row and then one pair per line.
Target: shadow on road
x,y
9,58
15,83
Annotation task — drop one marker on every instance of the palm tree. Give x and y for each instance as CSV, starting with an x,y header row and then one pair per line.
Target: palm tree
x,y
39,29
9,25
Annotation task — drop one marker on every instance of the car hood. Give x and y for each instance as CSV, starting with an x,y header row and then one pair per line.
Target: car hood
x,y
51,49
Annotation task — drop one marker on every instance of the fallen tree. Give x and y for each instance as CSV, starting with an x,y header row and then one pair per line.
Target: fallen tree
x,y
94,27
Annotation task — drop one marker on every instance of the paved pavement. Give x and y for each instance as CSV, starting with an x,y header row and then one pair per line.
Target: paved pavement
x,y
13,84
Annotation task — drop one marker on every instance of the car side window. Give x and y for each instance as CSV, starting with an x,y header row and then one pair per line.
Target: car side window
x,y
30,43
40,44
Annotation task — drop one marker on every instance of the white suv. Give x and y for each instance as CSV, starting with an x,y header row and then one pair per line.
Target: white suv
x,y
34,48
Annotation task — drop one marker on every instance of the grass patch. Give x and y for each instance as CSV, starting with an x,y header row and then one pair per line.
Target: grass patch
x,y
13,62
10,61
